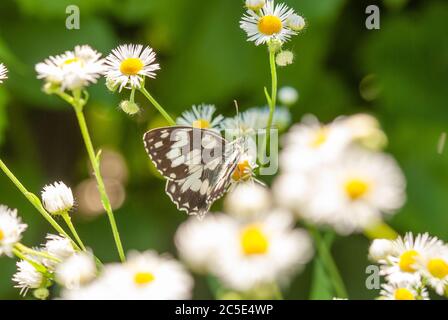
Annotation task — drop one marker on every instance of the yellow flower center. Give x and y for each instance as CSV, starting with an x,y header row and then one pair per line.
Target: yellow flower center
x,y
143,278
407,260
71,60
438,268
320,138
270,25
201,124
254,241
242,171
356,188
131,66
403,294
2,235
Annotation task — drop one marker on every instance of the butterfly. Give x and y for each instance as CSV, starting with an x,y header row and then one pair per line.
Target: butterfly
x,y
197,164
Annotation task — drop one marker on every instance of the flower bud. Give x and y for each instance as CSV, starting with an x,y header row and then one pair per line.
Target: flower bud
x,y
288,95
255,5
380,249
57,198
129,107
296,22
284,58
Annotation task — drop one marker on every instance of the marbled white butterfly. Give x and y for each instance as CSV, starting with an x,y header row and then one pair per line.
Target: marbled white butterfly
x,y
197,163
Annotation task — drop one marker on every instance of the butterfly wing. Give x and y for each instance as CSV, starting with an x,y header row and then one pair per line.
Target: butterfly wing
x,y
196,162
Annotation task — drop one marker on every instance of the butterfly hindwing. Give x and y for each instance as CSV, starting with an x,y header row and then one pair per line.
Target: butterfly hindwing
x,y
197,164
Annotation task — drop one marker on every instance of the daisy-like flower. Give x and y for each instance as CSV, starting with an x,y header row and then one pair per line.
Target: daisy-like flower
x,y
128,65
72,69
403,291
59,247
355,191
261,252
75,271
145,276
244,170
57,198
271,22
434,267
11,229
3,72
380,249
197,240
310,144
248,200
201,117
27,277
402,265
365,130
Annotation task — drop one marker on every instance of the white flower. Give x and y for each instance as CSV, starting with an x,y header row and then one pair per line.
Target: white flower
x,y
57,198
197,240
355,191
248,200
76,270
255,4
27,277
380,249
3,72
433,264
270,23
244,170
296,22
128,65
145,276
288,95
200,117
261,252
403,291
11,229
291,190
72,69
364,129
403,264
59,247
310,145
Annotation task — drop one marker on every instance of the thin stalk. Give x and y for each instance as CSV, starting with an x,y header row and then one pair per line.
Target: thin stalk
x,y
94,160
330,265
68,221
272,100
157,106
34,200
35,264
26,250
380,231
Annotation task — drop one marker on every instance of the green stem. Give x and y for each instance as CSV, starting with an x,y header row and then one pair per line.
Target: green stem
x,y
94,160
70,225
380,231
34,200
330,265
158,106
26,250
272,100
35,264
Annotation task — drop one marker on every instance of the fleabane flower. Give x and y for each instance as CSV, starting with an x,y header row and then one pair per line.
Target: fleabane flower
x,y
144,276
3,72
11,229
73,69
201,117
403,264
433,265
248,200
59,247
77,270
268,23
57,198
355,191
128,65
27,277
403,291
261,252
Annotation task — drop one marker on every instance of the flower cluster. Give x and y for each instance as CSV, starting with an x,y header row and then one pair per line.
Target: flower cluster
x,y
334,174
410,265
251,249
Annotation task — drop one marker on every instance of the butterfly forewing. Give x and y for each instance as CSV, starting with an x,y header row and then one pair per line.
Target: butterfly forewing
x,y
196,162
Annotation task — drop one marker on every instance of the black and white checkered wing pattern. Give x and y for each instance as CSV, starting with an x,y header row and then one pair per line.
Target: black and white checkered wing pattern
x,y
197,164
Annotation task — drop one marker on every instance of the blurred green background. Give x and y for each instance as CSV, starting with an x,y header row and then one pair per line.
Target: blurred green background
x,y
398,73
